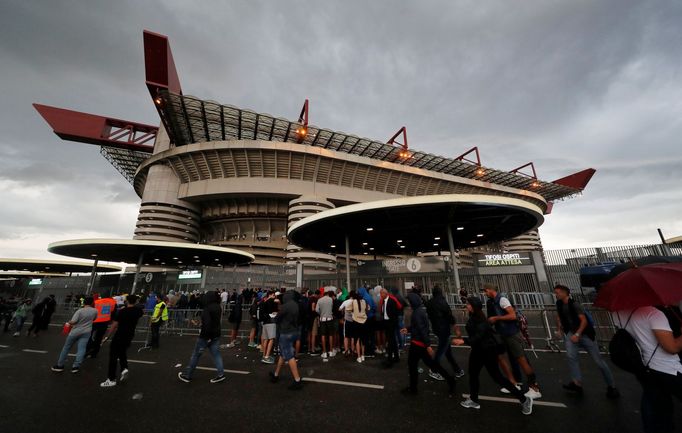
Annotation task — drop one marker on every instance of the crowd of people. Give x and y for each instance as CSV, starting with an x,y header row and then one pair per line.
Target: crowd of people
x,y
375,323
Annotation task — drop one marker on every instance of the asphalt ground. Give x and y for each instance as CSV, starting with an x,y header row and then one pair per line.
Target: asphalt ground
x,y
366,397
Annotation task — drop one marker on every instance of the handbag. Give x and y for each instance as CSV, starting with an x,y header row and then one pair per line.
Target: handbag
x,y
67,328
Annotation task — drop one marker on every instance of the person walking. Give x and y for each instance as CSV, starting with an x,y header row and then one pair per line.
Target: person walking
x,y
442,322
328,325
659,352
389,308
81,327
502,315
485,348
105,309
209,337
288,331
39,313
420,347
20,316
159,317
123,330
578,333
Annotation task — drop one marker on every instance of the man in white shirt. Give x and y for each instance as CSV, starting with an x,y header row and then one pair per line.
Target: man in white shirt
x,y
659,348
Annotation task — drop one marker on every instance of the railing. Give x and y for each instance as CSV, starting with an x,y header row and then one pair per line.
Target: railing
x,y
542,325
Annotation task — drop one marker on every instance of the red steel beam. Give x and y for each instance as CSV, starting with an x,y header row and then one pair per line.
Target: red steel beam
x,y
103,131
577,180
159,67
462,157
532,167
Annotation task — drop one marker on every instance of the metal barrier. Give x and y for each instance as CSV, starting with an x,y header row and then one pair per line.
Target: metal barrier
x,y
542,325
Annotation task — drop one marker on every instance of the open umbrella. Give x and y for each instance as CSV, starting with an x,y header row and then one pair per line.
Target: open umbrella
x,y
641,286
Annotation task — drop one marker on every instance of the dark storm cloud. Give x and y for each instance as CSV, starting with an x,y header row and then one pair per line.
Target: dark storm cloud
x,y
567,85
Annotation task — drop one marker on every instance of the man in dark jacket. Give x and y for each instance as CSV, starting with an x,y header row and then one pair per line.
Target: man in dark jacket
x,y
420,348
389,308
287,327
209,337
442,321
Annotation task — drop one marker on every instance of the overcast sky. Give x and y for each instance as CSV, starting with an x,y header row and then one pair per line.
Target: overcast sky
x,y
567,85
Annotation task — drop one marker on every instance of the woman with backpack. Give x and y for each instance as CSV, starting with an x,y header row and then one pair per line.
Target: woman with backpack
x,y
486,345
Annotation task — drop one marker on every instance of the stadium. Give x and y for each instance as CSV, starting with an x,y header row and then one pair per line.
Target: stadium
x,y
216,174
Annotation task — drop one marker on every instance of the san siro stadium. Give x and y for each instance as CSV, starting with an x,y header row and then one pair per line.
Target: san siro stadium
x,y
217,174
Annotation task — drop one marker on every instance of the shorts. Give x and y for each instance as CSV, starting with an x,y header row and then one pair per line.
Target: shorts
x,y
514,345
286,345
349,329
254,323
269,331
329,328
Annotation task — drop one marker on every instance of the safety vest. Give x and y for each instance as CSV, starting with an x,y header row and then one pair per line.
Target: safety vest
x,y
105,307
160,312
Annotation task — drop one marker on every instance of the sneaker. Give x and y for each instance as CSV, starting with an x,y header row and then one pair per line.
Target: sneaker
x,y
533,394
324,355
124,375
58,368
75,369
363,358
459,374
273,377
333,353
16,334
183,378
218,379
612,392
436,376
108,383
506,391
230,345
470,404
296,385
252,344
527,406
268,360
359,360
572,387
259,347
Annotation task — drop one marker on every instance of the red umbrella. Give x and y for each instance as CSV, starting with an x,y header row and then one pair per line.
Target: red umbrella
x,y
655,284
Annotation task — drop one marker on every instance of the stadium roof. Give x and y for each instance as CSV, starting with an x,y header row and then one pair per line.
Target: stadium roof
x,y
190,120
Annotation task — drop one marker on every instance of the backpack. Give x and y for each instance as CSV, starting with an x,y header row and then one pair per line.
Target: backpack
x,y
625,353
261,315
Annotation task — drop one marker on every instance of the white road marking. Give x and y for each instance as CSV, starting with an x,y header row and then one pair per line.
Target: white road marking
x,y
3,346
34,351
339,382
226,371
134,361
515,401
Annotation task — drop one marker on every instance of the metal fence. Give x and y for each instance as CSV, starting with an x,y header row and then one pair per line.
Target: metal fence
x,y
541,320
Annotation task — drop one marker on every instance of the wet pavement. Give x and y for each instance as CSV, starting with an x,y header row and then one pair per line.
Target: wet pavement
x,y
339,396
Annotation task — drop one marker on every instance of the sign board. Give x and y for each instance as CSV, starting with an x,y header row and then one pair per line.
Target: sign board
x,y
409,285
35,282
402,266
148,278
503,259
189,275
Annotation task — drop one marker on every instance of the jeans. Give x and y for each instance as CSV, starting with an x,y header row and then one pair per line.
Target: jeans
x,y
401,338
479,358
445,349
286,344
156,326
199,348
81,341
593,350
417,353
18,323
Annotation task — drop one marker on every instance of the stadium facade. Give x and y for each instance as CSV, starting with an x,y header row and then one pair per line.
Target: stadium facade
x,y
221,175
